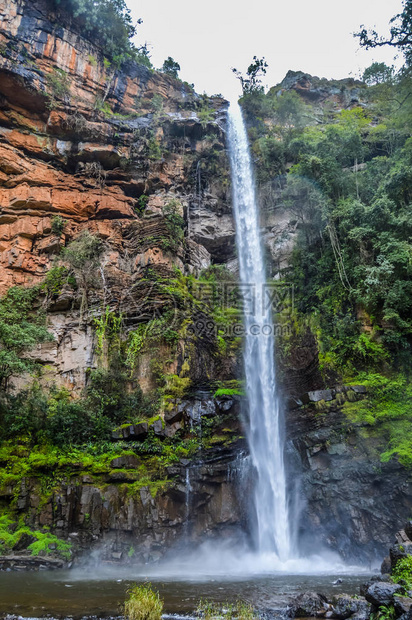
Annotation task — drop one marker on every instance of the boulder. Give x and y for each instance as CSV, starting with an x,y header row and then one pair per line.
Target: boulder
x,y
403,605
172,429
408,530
132,432
309,604
224,403
359,389
318,395
397,552
157,427
386,565
174,416
129,461
345,606
382,593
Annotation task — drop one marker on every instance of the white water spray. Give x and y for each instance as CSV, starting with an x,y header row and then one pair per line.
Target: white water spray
x,y
265,437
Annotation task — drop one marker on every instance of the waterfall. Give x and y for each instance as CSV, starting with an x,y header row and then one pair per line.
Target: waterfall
x,y
264,432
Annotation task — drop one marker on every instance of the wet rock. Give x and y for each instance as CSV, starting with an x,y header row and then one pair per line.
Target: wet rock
x,y
294,403
132,432
175,415
382,593
376,578
127,462
402,538
158,429
403,605
386,565
224,403
397,552
319,395
172,429
408,530
345,606
24,542
310,604
359,389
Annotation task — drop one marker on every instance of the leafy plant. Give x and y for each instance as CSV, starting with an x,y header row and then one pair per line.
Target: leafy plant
x,y
21,329
171,67
55,279
83,255
43,543
240,610
143,603
57,225
252,80
402,571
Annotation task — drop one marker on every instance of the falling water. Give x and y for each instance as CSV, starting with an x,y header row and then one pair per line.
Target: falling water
x,y
265,437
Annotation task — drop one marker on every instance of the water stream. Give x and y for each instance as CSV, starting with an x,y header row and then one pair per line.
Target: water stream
x,y
265,433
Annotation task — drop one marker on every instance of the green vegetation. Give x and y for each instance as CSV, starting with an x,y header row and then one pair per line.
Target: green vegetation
x,y
171,67
175,225
252,81
108,24
385,612
57,225
143,603
83,256
21,329
387,412
402,572
55,279
13,535
240,610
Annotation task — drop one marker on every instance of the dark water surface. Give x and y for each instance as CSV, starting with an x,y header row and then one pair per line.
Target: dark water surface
x,y
75,593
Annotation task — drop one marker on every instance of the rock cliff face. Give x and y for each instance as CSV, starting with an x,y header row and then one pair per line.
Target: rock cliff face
x,y
112,152
98,147
350,499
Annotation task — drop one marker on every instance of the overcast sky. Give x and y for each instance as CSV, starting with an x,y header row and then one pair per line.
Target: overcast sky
x,y
207,38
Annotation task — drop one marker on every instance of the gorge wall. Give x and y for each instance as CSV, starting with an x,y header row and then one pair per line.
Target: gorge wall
x,y
124,154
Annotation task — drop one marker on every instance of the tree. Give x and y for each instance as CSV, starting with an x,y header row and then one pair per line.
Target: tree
x,y
377,73
83,255
21,329
251,82
108,23
400,34
171,67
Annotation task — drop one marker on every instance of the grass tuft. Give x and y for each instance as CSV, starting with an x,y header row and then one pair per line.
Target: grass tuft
x,y
143,603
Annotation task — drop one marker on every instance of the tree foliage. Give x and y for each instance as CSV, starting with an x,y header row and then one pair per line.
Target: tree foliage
x,y
108,23
21,329
400,34
171,67
252,81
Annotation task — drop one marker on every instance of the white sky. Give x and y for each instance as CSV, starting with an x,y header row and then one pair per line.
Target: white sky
x,y
207,38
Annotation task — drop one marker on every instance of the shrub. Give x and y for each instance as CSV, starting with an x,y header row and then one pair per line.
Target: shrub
x,y
43,543
209,610
403,571
57,225
171,67
55,279
21,329
143,603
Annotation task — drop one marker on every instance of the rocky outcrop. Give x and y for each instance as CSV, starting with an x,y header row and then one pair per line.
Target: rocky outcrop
x,y
118,517
108,151
313,89
353,501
